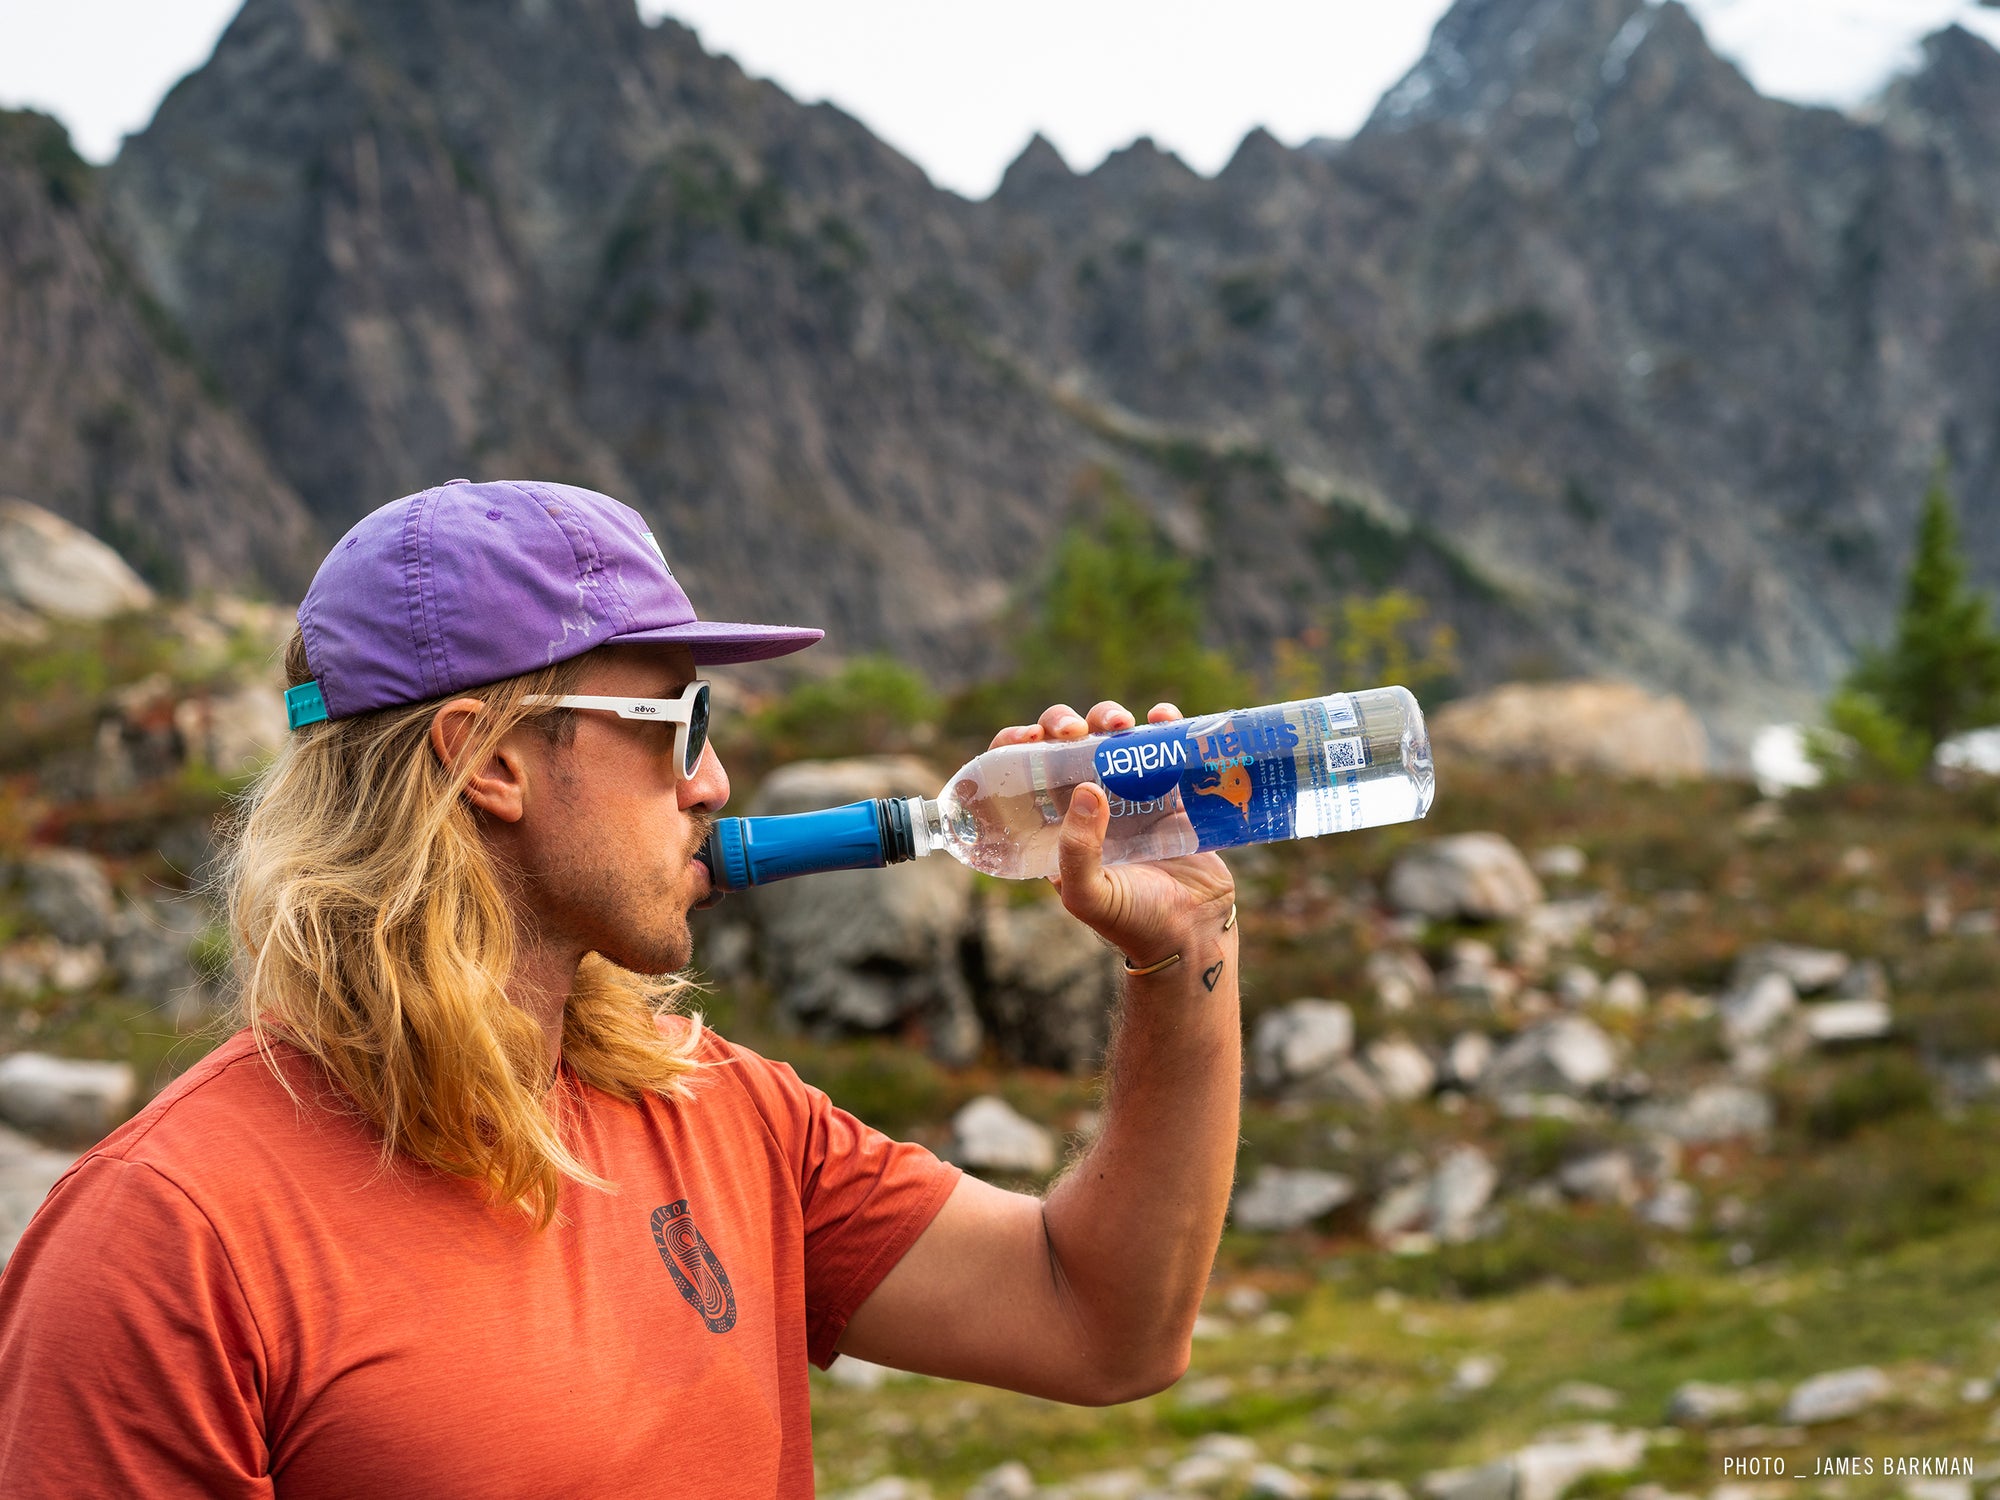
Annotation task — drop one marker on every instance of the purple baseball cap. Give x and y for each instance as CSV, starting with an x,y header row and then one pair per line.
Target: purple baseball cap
x,y
466,584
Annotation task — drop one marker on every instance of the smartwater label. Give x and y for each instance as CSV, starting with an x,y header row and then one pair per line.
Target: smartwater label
x,y
1241,783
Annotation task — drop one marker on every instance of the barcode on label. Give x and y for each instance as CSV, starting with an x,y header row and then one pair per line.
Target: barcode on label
x,y
1346,755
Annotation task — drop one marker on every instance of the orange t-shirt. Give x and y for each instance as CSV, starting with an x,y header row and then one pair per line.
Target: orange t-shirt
x,y
230,1297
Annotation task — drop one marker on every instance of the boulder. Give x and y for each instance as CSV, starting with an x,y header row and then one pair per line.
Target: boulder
x,y
1009,1481
1568,1055
1752,1009
1398,978
1810,970
1546,1468
68,892
1835,1396
27,1172
1674,1207
1623,991
1713,1112
66,1100
232,733
988,1135
1968,756
49,568
1467,1058
1459,1191
1834,1021
1046,985
867,950
1559,862
35,964
1347,1082
1698,1403
1281,1198
1477,877
1613,728
1601,1177
1299,1040
1402,1068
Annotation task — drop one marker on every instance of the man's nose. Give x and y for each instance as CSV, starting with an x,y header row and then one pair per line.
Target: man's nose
x,y
709,786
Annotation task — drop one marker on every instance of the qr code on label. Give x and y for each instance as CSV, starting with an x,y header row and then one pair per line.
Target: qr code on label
x,y
1346,755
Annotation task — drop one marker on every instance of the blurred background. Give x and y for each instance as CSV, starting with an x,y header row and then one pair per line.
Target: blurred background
x,y
1623,378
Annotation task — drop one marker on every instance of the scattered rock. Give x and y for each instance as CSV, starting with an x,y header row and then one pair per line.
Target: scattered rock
x,y
232,733
69,1101
1835,1396
1564,924
1810,970
1208,1390
1568,1055
1967,756
1601,1177
1835,1021
1010,1481
68,893
1477,877
1369,1489
1494,1481
49,568
1559,862
27,1172
854,1374
1398,978
1582,1395
1460,1189
1476,1372
1271,1482
151,952
1866,980
1674,1207
1549,1466
1624,991
1400,1211
1577,986
35,964
1466,1059
1752,1009
1346,1082
1591,725
888,1487
1699,1403
1714,1112
1112,1484
1245,1301
1401,1067
1300,1040
987,1135
1282,1198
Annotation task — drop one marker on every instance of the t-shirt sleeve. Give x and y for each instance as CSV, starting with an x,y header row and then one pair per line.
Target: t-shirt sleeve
x,y
865,1198
129,1361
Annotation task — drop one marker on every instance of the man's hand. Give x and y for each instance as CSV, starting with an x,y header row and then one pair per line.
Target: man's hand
x,y
1146,911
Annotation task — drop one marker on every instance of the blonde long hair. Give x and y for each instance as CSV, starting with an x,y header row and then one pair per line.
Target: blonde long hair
x,y
372,933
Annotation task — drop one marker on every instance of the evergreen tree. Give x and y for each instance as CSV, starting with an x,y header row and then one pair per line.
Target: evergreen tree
x,y
1941,674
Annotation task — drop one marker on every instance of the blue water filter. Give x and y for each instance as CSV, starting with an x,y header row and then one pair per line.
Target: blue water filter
x,y
743,852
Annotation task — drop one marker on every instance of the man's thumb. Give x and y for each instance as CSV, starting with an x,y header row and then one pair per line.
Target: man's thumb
x,y
1080,846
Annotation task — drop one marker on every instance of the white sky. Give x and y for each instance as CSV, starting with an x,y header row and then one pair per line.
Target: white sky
x,y
959,86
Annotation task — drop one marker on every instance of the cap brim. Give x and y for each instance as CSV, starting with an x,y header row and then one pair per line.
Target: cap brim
x,y
721,643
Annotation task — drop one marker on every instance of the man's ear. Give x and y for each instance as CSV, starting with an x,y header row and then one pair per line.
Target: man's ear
x,y
498,788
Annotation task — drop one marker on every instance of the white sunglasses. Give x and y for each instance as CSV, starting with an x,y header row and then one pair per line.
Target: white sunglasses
x,y
687,712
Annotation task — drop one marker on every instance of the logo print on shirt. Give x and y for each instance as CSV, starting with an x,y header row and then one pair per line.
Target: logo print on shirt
x,y
697,1273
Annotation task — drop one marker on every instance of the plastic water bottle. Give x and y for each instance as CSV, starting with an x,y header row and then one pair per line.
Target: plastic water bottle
x,y
1251,776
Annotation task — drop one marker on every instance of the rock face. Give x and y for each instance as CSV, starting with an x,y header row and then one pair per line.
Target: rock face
x,y
1745,329
107,421
1478,877
1613,728
1045,986
53,569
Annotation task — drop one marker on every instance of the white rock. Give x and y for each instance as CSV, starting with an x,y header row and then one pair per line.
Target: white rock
x,y
1623,991
1467,1058
853,1374
67,891
232,733
1200,1471
1779,762
1674,1207
1835,1396
1582,1395
1973,753
1833,1021
1270,1482
1518,1106
1227,1447
1810,970
1479,877
1282,1198
1112,1484
1476,1372
1010,1481
1459,1191
57,1096
1564,924
1403,1069
1494,1481
1369,1489
1568,1055
1714,1112
1346,1082
1701,1403
1299,1040
1546,1468
1596,725
888,1487
1245,1301
1399,978
34,964
1753,1009
1938,1489
988,1135
1559,862
49,567
1577,985
1601,1177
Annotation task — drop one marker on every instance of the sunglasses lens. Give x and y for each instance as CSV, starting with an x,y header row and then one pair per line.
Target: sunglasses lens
x,y
697,731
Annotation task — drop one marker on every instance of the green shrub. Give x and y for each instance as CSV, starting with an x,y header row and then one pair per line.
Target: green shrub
x,y
873,705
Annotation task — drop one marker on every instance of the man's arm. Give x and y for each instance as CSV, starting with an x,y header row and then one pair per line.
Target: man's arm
x,y
1090,1295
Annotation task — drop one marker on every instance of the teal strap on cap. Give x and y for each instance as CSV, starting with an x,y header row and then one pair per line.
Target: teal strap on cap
x,y
304,705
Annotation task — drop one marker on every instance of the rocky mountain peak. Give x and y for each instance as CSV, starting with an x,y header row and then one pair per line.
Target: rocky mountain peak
x,y
1039,168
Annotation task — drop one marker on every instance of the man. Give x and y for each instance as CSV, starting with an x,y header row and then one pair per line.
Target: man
x,y
467,1209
